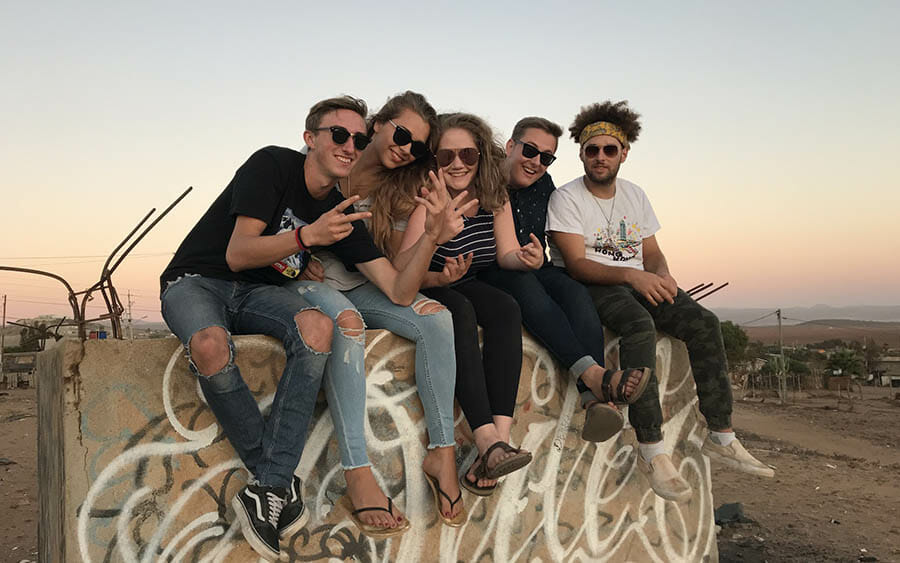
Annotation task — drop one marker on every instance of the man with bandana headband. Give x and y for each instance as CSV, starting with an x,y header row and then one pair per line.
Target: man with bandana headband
x,y
603,231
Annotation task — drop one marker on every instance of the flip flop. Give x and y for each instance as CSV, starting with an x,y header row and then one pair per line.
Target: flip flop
x,y
601,422
457,520
473,487
504,466
610,393
376,532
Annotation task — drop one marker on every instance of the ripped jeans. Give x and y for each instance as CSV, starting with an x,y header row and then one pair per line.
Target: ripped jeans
x,y
269,447
345,383
432,332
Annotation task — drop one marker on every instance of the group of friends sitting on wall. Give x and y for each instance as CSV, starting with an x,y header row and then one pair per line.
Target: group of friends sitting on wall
x,y
425,225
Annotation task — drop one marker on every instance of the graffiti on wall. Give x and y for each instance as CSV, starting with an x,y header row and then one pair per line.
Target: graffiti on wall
x,y
160,487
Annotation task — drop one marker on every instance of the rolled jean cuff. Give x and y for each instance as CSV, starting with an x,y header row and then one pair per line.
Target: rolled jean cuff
x,y
582,365
434,445
719,422
648,434
349,467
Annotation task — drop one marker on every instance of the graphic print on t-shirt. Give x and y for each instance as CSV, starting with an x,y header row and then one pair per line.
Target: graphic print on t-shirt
x,y
293,265
619,244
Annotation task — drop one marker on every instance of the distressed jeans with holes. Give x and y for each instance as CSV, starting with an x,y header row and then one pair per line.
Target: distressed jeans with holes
x,y
345,373
435,360
269,447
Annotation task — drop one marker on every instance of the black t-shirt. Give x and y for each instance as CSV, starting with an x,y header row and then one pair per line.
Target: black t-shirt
x,y
270,187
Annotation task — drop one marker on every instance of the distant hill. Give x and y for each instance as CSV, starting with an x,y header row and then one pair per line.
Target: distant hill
x,y
796,315
826,329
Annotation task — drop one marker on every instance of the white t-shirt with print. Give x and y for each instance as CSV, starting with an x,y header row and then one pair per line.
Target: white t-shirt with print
x,y
613,229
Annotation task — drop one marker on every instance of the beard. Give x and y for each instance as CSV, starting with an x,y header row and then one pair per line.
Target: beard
x,y
604,178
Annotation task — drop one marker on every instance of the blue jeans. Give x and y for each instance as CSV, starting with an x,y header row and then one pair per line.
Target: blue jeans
x,y
558,311
435,360
270,448
345,374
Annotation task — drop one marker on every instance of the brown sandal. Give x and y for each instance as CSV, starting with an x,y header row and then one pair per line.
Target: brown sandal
x,y
504,466
610,393
601,422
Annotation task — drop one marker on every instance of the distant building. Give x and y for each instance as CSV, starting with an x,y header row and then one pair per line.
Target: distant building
x,y
888,367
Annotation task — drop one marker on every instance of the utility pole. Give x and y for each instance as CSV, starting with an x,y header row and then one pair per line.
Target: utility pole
x,y
2,339
782,387
130,327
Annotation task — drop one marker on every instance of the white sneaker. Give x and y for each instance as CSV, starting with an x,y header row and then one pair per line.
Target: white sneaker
x,y
735,456
665,479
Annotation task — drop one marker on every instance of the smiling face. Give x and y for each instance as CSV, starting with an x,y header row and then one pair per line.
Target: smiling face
x,y
390,154
602,169
458,175
332,159
525,171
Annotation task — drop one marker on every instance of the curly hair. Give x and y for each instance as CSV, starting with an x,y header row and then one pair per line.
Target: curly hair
x,y
394,190
489,185
617,113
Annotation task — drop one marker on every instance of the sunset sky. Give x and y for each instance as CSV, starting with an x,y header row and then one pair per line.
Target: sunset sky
x,y
770,146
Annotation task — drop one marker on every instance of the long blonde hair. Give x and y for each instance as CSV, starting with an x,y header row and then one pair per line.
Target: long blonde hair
x,y
394,190
489,184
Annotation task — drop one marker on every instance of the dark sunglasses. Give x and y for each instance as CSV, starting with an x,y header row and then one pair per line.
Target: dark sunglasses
x,y
531,151
468,156
340,135
592,151
403,137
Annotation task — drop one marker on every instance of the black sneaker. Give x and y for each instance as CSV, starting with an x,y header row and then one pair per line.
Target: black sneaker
x,y
257,509
294,515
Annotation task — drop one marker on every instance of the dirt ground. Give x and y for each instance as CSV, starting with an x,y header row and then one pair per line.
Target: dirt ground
x,y
835,495
836,491
18,475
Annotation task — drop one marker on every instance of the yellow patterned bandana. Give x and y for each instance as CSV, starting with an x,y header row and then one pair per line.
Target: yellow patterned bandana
x,y
603,128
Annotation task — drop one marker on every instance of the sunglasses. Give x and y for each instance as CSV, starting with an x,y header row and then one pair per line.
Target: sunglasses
x,y
531,151
468,156
403,137
340,135
592,151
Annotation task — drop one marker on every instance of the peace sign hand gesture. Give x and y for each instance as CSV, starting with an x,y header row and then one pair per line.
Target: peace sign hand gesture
x,y
332,226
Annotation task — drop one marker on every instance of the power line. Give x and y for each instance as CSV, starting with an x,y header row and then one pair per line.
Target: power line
x,y
102,256
759,319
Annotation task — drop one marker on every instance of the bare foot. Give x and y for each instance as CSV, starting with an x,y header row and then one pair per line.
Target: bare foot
x,y
364,492
441,464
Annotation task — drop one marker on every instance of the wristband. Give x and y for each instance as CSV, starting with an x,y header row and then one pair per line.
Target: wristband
x,y
297,237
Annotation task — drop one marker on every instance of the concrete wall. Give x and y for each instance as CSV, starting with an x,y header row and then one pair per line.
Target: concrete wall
x,y
133,467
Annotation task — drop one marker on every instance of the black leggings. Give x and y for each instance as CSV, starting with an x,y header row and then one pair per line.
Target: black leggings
x,y
486,383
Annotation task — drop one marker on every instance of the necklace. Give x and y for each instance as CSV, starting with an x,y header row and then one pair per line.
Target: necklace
x,y
608,230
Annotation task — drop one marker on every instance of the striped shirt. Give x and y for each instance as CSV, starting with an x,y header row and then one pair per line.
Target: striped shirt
x,y
476,237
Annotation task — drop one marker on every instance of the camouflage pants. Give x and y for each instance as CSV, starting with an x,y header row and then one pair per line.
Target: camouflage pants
x,y
635,320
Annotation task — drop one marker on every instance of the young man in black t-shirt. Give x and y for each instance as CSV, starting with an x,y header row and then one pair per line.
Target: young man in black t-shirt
x,y
227,278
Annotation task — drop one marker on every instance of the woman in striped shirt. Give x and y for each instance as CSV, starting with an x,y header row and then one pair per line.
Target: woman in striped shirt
x,y
469,160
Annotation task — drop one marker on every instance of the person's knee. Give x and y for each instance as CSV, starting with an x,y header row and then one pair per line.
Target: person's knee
x,y
425,307
506,310
315,329
350,324
639,325
209,350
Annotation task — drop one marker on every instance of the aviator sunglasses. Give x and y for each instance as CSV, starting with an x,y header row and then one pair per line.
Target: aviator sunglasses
x,y
468,156
340,135
531,151
403,137
592,151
